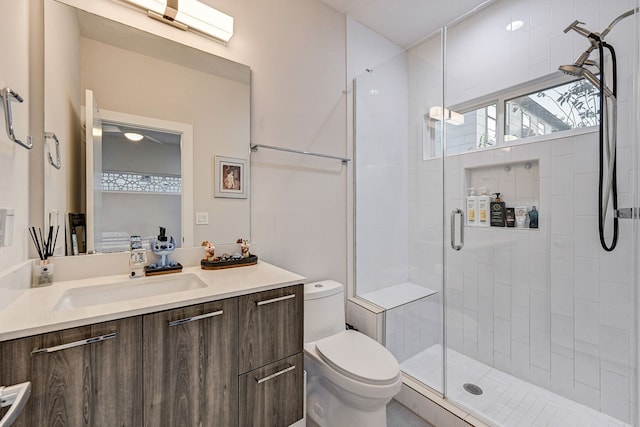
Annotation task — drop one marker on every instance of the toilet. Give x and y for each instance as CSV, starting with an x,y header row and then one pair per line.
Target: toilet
x,y
350,377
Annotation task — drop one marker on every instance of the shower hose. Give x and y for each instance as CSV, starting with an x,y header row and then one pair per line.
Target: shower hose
x,y
608,131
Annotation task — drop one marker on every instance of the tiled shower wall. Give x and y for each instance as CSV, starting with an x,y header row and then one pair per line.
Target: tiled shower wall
x,y
548,305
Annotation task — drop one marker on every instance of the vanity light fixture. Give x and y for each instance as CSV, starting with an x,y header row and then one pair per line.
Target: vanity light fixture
x,y
133,136
189,15
451,117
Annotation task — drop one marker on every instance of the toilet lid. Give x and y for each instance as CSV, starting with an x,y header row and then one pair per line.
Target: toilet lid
x,y
359,357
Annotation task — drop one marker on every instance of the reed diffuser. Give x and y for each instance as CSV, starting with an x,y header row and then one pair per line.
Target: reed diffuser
x,y
42,268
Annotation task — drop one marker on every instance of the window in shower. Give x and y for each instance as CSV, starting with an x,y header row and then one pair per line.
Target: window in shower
x,y
530,110
473,129
554,109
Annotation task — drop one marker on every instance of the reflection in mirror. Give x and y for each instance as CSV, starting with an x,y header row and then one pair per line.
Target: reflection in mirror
x,y
140,178
137,73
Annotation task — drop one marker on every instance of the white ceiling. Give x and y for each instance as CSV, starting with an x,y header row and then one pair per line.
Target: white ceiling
x,y
405,22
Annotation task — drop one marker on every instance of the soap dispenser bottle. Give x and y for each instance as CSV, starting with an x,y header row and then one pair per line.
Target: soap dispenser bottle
x,y
533,218
483,207
497,212
472,207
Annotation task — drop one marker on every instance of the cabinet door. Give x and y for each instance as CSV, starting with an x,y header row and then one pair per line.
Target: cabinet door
x,y
270,326
273,395
191,366
80,376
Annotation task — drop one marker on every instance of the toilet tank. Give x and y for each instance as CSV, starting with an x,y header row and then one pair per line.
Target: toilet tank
x,y
323,309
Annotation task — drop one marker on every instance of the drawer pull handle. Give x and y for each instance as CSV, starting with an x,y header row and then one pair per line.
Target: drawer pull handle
x,y
194,318
277,374
73,344
269,301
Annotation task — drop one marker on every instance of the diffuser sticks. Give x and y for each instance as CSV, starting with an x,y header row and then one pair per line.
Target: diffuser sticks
x,y
45,247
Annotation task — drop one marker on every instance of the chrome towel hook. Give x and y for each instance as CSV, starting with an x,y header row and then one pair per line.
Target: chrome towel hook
x,y
7,96
58,162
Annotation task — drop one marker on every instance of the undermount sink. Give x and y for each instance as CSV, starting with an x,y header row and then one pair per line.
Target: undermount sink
x,y
125,290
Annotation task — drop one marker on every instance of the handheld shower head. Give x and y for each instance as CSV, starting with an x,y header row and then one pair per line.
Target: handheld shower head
x,y
575,26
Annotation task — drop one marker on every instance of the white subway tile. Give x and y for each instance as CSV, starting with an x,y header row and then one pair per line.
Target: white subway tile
x,y
587,273
587,364
540,349
587,321
615,305
502,336
562,335
615,395
502,302
562,375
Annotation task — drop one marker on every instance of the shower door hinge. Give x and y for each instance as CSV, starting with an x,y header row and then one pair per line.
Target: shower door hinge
x,y
628,213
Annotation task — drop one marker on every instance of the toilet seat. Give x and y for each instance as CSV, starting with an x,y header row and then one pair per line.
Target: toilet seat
x,y
359,357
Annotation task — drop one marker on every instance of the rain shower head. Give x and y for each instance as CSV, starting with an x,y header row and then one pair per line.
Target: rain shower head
x,y
580,71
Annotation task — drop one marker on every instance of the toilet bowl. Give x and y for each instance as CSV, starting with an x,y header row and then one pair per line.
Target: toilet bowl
x,y
351,377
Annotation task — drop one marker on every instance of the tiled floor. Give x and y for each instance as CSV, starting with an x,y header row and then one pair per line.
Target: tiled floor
x,y
506,401
399,416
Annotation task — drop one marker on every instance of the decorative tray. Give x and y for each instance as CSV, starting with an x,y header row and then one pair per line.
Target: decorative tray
x,y
230,263
148,271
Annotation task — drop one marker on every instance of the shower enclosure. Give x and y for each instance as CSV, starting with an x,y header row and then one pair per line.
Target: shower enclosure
x,y
515,325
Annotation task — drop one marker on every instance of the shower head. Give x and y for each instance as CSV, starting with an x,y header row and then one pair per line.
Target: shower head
x,y
580,71
575,26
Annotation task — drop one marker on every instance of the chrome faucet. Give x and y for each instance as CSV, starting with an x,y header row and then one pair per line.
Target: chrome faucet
x,y
137,257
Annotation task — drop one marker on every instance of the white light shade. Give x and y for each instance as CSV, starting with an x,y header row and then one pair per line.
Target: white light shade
x,y
133,136
195,15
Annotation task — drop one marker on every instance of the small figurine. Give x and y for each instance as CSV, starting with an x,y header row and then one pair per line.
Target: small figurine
x,y
209,251
244,247
162,247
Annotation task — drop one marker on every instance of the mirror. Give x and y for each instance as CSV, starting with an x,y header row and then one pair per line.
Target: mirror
x,y
136,73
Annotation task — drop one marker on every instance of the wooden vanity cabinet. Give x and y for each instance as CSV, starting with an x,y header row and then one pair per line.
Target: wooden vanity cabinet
x,y
80,376
225,363
191,365
271,361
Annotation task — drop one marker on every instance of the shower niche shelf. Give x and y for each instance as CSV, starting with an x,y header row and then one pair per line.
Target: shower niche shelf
x,y
517,182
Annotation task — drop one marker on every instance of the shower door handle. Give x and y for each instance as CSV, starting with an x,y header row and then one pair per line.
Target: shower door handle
x,y
453,229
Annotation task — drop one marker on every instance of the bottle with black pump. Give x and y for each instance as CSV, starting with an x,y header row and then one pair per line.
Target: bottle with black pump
x,y
497,215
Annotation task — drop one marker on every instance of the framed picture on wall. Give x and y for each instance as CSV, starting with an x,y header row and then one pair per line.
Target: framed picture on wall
x,y
231,177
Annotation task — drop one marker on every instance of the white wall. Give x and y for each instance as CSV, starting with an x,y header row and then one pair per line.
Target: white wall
x,y
14,160
62,113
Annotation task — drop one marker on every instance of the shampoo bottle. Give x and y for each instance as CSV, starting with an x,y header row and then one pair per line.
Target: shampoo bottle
x,y
484,201
497,212
472,207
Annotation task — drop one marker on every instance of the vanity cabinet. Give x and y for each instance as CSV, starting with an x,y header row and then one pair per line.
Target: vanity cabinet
x,y
232,362
271,361
191,365
80,376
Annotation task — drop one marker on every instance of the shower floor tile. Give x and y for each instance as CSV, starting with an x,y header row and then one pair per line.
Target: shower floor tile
x,y
506,400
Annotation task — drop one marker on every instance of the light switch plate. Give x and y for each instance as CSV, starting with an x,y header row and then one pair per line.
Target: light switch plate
x,y
202,218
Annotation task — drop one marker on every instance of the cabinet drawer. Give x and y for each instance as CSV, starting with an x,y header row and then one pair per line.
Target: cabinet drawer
x,y
270,326
273,395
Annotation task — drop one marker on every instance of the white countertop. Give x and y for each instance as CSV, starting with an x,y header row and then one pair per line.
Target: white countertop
x,y
33,312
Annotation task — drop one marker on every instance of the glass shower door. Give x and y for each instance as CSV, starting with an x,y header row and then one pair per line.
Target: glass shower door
x,y
398,205
540,322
